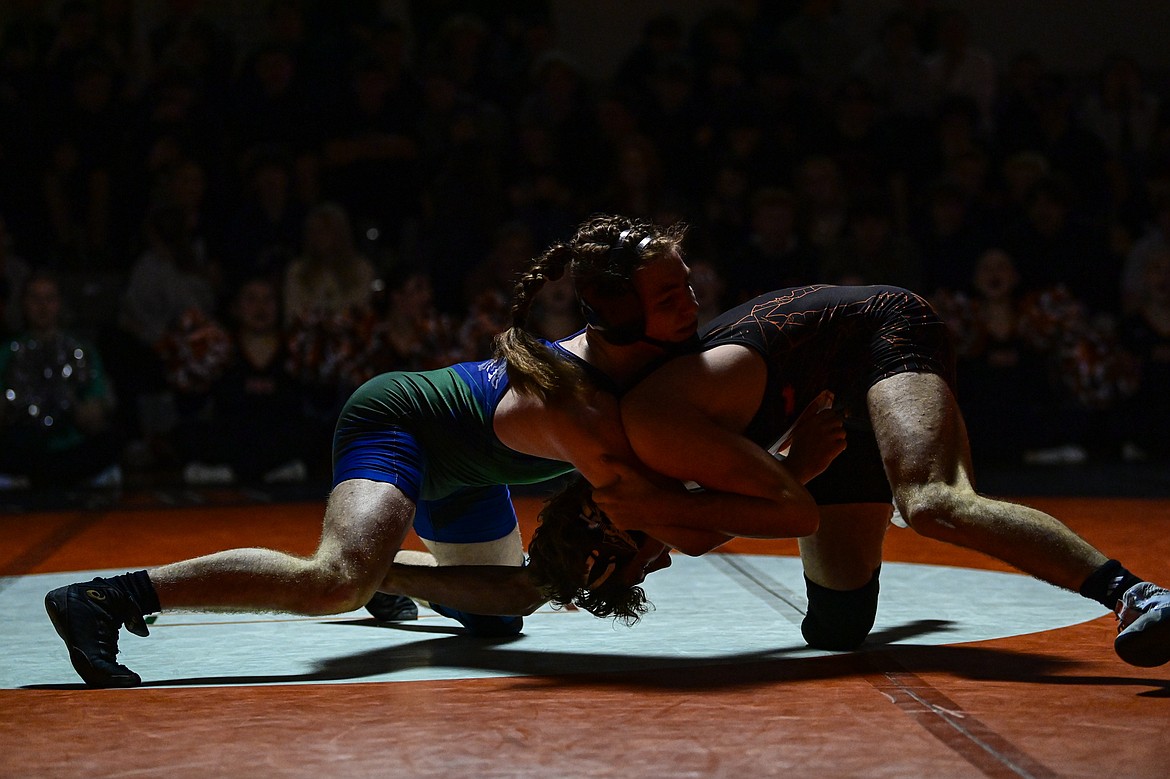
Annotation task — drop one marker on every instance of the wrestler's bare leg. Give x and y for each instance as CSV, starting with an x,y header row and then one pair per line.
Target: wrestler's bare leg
x,y
927,458
365,522
847,547
840,564
508,550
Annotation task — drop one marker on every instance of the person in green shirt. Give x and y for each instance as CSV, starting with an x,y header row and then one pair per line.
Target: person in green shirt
x,y
56,405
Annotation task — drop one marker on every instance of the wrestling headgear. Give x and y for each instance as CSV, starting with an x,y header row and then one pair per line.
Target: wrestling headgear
x,y
609,301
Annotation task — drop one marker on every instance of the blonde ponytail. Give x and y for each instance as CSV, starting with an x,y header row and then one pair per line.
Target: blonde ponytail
x,y
533,368
593,254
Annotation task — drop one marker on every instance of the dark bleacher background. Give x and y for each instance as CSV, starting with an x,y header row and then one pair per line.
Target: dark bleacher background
x,y
532,114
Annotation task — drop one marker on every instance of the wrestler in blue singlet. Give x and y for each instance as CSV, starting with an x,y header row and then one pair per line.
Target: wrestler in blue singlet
x,y
430,434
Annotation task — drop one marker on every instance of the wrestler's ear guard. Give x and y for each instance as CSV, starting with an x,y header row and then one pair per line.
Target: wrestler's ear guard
x,y
609,301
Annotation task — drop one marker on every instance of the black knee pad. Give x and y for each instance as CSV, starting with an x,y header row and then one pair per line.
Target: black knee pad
x,y
839,620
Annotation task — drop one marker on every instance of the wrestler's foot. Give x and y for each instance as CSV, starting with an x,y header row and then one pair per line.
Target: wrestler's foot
x,y
392,608
87,617
483,625
1143,625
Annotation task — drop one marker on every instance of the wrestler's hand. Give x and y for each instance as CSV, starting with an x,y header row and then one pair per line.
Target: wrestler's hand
x,y
653,555
632,497
817,438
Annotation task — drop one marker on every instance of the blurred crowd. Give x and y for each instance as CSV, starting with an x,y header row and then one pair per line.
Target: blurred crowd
x,y
208,241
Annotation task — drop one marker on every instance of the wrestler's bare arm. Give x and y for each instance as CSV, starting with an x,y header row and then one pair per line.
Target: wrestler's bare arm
x,y
478,589
586,430
685,422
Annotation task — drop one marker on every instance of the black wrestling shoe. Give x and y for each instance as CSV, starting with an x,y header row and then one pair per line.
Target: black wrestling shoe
x,y
482,625
392,608
87,617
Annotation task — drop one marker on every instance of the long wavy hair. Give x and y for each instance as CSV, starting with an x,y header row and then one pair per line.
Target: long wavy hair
x,y
576,557
532,367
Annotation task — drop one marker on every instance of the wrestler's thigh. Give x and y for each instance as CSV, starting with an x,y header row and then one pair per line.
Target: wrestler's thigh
x,y
365,523
508,550
847,547
920,431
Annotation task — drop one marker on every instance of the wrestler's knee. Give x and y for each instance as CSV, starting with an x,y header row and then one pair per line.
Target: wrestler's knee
x,y
839,620
335,588
934,510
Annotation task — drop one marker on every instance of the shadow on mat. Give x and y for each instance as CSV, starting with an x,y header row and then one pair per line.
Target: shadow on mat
x,y
507,657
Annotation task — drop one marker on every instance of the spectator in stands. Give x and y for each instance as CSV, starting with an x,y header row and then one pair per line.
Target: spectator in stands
x,y
775,254
462,47
556,312
1146,335
253,428
412,333
56,412
174,123
370,151
171,277
1122,111
330,277
559,103
791,117
858,140
328,315
726,205
77,39
512,248
1074,152
823,201
187,186
961,67
999,358
659,44
1155,239
873,250
1040,350
171,292
820,36
1019,104
265,230
270,101
539,189
461,139
670,115
193,38
955,132
84,140
634,185
896,69
1054,245
950,234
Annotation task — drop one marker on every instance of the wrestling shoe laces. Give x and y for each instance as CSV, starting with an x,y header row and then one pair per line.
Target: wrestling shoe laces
x,y
88,617
1143,625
